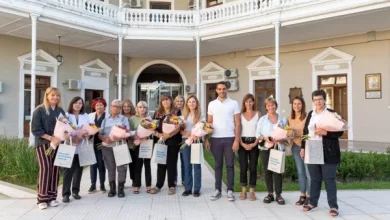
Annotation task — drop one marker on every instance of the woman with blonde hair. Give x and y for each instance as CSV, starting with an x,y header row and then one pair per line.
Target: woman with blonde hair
x,y
192,115
42,127
141,112
128,110
179,104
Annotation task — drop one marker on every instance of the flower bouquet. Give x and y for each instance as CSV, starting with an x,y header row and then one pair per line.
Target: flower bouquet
x,y
170,123
146,127
90,129
280,134
120,131
201,129
63,127
331,121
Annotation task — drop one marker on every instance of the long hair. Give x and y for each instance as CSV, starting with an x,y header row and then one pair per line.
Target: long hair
x,y
303,110
186,110
46,103
246,97
74,100
144,104
161,110
132,108
177,99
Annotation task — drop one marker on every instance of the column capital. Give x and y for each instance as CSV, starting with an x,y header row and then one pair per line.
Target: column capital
x,y
276,23
34,16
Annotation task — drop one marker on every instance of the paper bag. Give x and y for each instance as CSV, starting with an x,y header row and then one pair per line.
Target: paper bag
x,y
160,153
86,154
314,152
196,153
121,154
277,160
65,154
146,149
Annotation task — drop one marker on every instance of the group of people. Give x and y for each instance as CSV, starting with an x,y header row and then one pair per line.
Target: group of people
x,y
243,130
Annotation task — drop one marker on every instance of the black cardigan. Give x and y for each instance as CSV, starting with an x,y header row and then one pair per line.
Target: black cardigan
x,y
330,142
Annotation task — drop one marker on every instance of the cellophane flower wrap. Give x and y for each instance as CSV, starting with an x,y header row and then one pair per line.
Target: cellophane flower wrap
x,y
90,129
119,131
62,128
200,129
170,123
280,134
146,127
331,121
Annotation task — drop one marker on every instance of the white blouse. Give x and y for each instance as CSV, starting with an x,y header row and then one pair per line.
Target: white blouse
x,y
82,119
248,128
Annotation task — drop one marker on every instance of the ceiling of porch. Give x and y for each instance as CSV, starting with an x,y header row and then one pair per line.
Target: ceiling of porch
x,y
18,26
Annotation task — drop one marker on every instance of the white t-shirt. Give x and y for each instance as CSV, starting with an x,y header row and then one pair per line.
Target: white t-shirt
x,y
223,117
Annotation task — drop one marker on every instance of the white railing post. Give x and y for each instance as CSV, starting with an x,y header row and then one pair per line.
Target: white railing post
x,y
277,63
120,38
198,67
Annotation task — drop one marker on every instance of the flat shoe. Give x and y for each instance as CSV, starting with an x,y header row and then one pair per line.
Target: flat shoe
x,y
243,195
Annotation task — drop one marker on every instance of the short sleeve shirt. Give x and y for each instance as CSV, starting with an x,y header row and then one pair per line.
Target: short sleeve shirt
x,y
223,117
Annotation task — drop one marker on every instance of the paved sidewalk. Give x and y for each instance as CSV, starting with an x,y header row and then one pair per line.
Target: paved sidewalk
x,y
354,205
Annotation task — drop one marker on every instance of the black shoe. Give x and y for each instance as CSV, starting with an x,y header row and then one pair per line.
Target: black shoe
x,y
196,193
92,189
76,196
103,188
186,193
112,191
121,187
65,199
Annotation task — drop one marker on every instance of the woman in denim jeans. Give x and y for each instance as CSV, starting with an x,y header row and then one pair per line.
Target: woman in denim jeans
x,y
297,123
192,115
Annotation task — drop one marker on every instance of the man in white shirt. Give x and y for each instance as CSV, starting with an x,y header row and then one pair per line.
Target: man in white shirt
x,y
224,114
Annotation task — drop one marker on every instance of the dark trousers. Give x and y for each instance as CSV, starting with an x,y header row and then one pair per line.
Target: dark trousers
x,y
182,168
252,156
72,177
326,173
132,169
99,165
48,176
219,148
271,177
169,168
139,163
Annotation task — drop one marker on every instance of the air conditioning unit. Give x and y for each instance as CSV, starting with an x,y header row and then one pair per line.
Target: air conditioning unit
x,y
191,88
231,73
124,79
74,84
133,4
232,84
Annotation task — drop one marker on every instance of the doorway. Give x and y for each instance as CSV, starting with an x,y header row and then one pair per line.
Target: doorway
x,y
160,5
263,89
211,93
41,84
90,95
336,90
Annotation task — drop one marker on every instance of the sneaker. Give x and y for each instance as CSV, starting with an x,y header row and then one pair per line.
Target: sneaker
x,y
42,206
196,193
216,195
230,196
186,193
92,189
53,203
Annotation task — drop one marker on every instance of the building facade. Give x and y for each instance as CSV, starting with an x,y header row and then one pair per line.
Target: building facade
x,y
265,47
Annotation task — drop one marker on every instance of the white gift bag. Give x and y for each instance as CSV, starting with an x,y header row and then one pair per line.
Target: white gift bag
x,y
160,153
276,161
121,154
86,154
197,153
65,154
146,149
314,152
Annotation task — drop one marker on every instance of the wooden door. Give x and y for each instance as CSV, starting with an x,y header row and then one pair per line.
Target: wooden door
x,y
211,93
89,96
263,90
42,83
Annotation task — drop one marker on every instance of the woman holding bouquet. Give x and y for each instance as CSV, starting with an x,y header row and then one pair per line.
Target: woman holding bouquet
x,y
42,127
128,110
192,115
141,112
172,140
72,175
179,103
99,104
264,127
297,121
322,172
248,146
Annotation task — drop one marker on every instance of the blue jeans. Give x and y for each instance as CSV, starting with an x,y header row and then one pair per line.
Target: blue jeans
x,y
303,172
190,181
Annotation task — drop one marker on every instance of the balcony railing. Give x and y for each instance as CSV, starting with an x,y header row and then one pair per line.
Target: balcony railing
x,y
159,17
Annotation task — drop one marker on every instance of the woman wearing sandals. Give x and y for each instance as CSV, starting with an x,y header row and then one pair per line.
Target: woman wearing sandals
x,y
322,172
141,112
42,127
128,111
297,121
172,140
264,127
248,146
179,104
192,115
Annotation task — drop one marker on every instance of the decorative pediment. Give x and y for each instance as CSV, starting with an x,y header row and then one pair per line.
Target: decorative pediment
x,y
331,55
96,65
212,68
261,63
42,59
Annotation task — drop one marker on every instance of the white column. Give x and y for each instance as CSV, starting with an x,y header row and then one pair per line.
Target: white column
x,y
34,19
120,38
120,3
198,67
277,63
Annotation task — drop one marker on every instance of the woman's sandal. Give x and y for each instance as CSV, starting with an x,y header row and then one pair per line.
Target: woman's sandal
x,y
243,195
269,198
136,190
333,212
308,208
301,200
147,189
280,200
307,200
252,196
155,190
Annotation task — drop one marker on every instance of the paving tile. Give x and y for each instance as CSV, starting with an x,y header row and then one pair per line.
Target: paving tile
x,y
357,217
381,216
372,209
355,201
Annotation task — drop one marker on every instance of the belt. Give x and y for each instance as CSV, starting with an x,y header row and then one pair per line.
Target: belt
x,y
248,139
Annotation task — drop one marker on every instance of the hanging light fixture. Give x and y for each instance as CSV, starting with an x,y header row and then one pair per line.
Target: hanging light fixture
x,y
59,57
